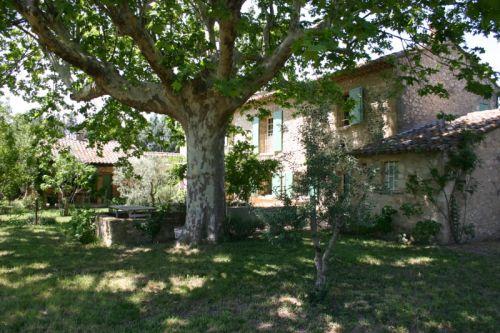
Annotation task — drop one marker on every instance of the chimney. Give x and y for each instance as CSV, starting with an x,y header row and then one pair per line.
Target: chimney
x,y
81,136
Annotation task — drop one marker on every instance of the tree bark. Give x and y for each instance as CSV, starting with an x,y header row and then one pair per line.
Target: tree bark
x,y
205,181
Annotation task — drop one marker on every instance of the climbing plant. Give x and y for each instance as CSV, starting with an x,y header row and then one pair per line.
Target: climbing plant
x,y
453,182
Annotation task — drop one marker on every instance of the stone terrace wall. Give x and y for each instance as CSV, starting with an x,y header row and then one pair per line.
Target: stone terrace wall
x,y
112,230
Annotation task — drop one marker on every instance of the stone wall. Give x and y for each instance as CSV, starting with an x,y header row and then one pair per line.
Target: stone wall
x,y
112,230
415,110
483,207
408,163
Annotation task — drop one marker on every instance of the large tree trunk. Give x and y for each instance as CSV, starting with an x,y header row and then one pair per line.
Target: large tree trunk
x,y
205,182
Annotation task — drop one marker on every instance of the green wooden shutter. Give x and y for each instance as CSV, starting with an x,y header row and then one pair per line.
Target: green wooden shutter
x,y
312,191
277,130
484,106
288,182
255,134
276,184
107,186
357,112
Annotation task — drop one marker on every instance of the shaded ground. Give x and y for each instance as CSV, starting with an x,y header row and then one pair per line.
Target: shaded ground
x,y
490,248
48,283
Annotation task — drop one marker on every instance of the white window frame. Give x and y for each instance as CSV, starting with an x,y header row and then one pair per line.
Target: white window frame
x,y
270,128
391,174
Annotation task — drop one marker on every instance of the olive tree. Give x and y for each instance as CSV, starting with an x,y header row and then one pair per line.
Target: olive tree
x,y
149,180
69,178
336,185
200,61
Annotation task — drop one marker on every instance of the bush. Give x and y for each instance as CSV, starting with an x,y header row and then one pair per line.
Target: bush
x,y
82,226
152,226
425,232
383,221
48,221
378,224
17,207
237,228
282,223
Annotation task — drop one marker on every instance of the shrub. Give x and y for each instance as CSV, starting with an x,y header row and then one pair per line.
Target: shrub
x,y
372,225
237,228
48,221
281,223
383,221
152,226
410,209
82,226
425,232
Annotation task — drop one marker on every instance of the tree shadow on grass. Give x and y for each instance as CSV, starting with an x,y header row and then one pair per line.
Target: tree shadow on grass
x,y
50,283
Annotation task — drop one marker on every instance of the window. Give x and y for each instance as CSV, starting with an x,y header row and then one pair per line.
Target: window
x,y
355,115
391,176
266,135
269,127
344,114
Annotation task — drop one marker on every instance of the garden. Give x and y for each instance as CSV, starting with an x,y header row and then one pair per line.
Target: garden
x,y
50,282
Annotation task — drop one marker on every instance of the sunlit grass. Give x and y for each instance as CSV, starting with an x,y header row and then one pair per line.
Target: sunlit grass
x,y
50,283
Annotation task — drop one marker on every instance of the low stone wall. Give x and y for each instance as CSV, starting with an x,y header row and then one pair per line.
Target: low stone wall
x,y
249,212
112,230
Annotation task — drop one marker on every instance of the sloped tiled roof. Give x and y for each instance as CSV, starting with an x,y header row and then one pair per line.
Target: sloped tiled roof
x,y
437,135
110,153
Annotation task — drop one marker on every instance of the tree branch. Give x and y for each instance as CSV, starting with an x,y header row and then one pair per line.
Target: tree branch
x,y
148,97
271,64
128,24
227,37
200,7
88,93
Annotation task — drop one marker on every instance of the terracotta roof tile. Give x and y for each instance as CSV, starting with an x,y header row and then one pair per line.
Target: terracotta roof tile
x,y
110,153
437,135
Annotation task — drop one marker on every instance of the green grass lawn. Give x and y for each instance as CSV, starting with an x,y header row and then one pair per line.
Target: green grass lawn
x,y
49,283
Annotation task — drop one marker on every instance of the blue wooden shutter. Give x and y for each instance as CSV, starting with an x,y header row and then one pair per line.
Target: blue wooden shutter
x,y
357,112
255,134
276,184
277,130
288,182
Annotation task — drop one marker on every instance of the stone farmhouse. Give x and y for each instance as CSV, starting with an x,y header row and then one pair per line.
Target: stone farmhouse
x,y
394,129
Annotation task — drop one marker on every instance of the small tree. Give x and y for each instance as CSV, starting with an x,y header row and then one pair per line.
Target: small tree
x,y
245,173
70,178
150,180
9,156
336,185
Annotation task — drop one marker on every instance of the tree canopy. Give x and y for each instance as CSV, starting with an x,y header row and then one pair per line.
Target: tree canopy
x,y
199,61
149,55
